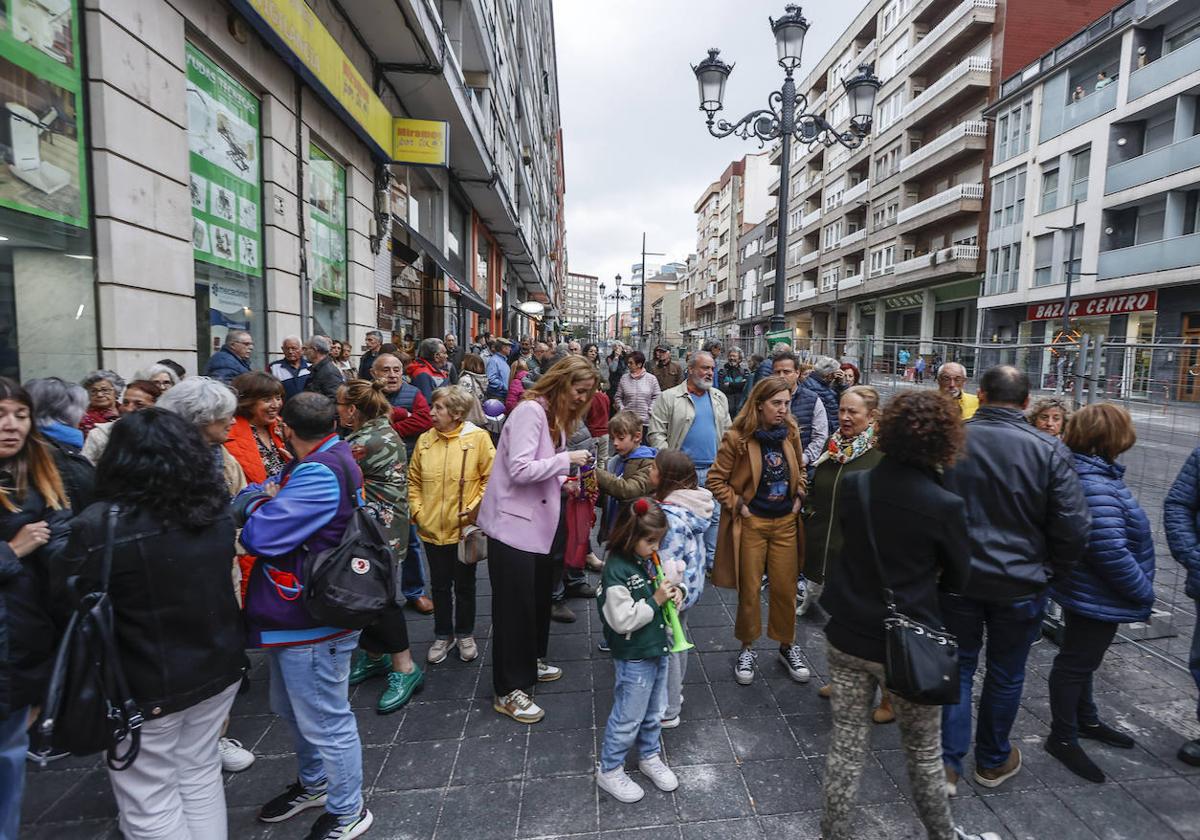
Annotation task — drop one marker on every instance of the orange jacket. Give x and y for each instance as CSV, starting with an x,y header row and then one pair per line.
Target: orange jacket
x,y
244,448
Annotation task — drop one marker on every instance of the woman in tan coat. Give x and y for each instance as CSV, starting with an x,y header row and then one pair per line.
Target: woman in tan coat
x,y
759,480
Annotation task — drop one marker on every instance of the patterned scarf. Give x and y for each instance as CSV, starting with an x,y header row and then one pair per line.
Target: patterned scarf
x,y
845,450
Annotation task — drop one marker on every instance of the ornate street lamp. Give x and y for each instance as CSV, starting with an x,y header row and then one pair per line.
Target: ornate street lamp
x,y
603,297
786,118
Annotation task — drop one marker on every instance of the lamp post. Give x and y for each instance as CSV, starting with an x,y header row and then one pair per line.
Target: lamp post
x,y
617,296
604,323
786,118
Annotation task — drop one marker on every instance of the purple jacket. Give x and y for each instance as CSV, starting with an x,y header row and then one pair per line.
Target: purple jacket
x,y
309,514
524,494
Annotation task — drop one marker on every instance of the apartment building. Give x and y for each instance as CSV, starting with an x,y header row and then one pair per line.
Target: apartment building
x,y
712,297
754,306
885,239
1101,181
578,304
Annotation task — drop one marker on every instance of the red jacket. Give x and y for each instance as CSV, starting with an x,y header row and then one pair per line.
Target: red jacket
x,y
597,416
410,422
243,447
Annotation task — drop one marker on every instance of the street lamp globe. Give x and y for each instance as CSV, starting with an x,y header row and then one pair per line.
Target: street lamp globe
x,y
618,283
711,74
860,90
789,37
602,287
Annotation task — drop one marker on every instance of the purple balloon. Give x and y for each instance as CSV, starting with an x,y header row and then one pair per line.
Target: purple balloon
x,y
493,408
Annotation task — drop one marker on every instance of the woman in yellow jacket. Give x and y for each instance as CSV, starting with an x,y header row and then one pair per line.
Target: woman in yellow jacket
x,y
447,475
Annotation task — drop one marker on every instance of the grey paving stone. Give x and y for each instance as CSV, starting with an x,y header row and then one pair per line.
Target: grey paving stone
x,y
404,815
712,791
1038,814
782,786
762,738
568,753
413,767
480,811
697,742
490,758
558,806
1170,800
432,720
743,829
655,809
1112,813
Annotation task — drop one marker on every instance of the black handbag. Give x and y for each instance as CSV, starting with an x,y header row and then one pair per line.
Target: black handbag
x,y
921,662
88,706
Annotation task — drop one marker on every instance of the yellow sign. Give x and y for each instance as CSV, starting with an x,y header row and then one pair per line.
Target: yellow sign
x,y
293,29
422,142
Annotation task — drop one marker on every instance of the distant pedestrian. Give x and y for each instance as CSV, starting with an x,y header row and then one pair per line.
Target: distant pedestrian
x,y
736,381
666,370
637,390
292,369
233,359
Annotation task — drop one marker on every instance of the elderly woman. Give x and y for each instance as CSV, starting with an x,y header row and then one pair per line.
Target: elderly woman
x,y
447,478
209,404
920,530
1050,415
1112,585
759,480
139,394
57,408
104,389
160,375
381,455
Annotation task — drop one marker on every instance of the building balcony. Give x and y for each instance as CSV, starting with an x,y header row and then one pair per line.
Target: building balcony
x,y
960,28
942,264
1170,67
856,238
1077,113
962,80
811,218
774,188
809,258
856,192
1168,160
962,198
968,137
1163,255
850,282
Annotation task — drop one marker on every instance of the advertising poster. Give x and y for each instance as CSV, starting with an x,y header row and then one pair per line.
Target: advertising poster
x,y
226,190
327,234
42,168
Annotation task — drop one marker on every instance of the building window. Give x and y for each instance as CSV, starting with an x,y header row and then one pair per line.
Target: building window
x,y
888,111
1071,265
1049,187
1003,268
1012,130
1043,260
1190,32
882,260
1008,198
887,163
1080,162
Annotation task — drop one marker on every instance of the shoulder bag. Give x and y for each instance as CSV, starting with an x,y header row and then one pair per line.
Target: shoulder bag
x,y
472,542
88,706
921,662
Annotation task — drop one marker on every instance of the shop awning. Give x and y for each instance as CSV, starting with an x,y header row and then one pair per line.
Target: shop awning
x,y
460,289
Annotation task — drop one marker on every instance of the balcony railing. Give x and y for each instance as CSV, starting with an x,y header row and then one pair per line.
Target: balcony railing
x,y
810,257
1163,161
962,10
1150,257
955,193
1174,65
852,238
857,191
944,255
971,64
970,128
809,218
851,281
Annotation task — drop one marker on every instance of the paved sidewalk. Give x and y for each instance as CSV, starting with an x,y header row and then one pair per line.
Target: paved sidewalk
x,y
750,759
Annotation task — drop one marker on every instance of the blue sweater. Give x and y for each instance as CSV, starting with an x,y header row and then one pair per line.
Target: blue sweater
x,y
1115,580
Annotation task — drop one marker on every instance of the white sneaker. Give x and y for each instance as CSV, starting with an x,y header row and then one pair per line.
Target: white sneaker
x,y
959,834
743,669
812,592
618,785
656,771
547,673
234,757
518,706
439,650
671,722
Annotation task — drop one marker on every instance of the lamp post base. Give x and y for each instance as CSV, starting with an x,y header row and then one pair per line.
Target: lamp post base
x,y
777,323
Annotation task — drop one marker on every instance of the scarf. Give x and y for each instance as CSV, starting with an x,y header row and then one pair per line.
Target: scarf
x,y
63,433
778,434
845,450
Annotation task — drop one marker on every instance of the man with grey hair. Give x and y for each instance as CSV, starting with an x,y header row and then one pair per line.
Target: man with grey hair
x,y
323,375
819,381
233,359
292,370
374,341
454,356
951,378
573,347
694,416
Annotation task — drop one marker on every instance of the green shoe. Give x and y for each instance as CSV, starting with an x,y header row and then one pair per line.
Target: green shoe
x,y
400,689
366,666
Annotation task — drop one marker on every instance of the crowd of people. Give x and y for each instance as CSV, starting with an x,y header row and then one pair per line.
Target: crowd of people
x,y
663,475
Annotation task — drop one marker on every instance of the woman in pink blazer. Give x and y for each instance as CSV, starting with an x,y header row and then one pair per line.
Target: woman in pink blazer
x,y
521,513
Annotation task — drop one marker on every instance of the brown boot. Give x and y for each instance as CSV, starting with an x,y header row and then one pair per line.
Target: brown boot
x,y
884,713
825,691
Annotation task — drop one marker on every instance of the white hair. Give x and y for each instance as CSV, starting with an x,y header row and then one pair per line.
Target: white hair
x,y
57,401
294,338
824,366
200,400
321,344
151,371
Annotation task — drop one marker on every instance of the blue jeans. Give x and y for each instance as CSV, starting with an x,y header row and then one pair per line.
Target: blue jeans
x,y
1011,630
412,575
13,743
639,700
714,522
1194,657
310,690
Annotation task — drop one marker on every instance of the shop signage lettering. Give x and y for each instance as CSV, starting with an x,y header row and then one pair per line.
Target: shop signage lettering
x,y
1087,307
905,301
300,37
422,142
327,209
225,161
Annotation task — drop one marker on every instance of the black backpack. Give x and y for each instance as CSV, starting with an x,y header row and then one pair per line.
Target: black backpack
x,y
349,585
88,706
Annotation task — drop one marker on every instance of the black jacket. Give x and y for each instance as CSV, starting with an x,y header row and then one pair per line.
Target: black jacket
x,y
365,364
1026,514
26,628
77,473
179,629
921,531
324,378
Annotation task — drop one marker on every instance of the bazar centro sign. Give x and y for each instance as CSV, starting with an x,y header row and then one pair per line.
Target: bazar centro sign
x,y
1103,305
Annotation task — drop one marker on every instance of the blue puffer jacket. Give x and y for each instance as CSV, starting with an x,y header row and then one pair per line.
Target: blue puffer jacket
x,y
1115,580
1181,517
825,394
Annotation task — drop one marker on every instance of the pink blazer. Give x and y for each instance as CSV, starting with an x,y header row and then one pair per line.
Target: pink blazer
x,y
523,497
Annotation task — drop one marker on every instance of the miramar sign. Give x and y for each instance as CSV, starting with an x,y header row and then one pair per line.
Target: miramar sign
x,y
1088,307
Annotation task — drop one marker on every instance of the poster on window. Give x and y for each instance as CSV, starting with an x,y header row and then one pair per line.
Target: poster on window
x,y
327,213
42,160
226,189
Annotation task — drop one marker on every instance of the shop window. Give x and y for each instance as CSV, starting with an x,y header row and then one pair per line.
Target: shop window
x,y
226,193
327,265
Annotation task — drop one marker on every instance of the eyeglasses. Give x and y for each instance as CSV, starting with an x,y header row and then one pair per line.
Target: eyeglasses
x,y
101,389
948,378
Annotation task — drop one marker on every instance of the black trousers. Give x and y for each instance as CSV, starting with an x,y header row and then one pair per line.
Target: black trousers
x,y
387,634
522,585
1084,643
453,585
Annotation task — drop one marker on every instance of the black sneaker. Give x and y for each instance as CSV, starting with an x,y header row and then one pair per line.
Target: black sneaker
x,y
581,590
330,826
1105,734
291,802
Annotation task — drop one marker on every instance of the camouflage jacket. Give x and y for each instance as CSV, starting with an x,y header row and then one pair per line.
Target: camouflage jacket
x,y
381,456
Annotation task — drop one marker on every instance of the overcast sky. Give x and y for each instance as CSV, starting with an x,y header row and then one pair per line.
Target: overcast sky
x,y
638,154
